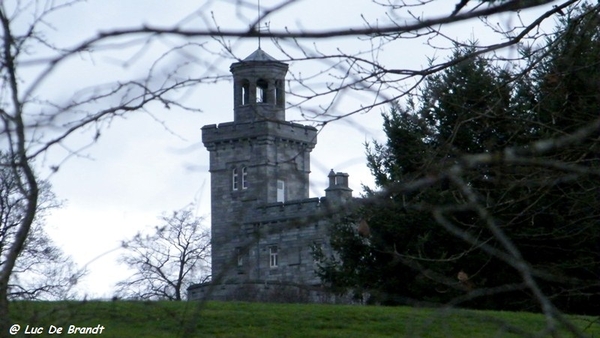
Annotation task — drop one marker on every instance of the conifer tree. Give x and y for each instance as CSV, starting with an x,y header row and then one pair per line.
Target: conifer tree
x,y
545,202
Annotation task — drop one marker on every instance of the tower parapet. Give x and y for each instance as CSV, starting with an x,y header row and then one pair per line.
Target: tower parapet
x,y
213,134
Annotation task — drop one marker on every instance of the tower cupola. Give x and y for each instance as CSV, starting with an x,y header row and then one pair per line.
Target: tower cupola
x,y
258,88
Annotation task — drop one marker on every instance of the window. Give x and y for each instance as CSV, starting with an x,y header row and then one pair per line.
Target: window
x,y
261,91
273,261
295,256
244,178
234,179
280,191
240,257
245,92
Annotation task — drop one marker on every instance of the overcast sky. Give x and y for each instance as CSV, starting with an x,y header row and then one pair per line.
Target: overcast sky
x,y
147,164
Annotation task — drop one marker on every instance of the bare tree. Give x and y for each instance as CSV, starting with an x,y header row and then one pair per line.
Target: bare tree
x,y
31,123
168,261
42,271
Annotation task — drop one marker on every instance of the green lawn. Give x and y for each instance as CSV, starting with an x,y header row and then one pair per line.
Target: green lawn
x,y
214,319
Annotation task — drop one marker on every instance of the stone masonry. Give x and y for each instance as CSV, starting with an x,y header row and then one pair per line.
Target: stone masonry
x,y
264,226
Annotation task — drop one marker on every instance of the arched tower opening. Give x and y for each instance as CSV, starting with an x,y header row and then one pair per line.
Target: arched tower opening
x,y
259,91
262,89
245,92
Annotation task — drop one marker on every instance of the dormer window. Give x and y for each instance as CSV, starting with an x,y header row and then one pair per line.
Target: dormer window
x,y
261,91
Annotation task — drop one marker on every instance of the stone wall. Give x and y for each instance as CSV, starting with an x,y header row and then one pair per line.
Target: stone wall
x,y
261,291
294,228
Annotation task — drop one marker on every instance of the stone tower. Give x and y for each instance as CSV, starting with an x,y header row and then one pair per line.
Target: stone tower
x,y
257,159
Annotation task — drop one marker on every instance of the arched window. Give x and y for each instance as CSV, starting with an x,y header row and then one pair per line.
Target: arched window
x,y
245,92
234,179
261,91
244,178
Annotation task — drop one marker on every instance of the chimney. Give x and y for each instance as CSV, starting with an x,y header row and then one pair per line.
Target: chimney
x,y
338,190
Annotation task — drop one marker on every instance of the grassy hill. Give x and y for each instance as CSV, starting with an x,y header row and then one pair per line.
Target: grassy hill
x,y
214,319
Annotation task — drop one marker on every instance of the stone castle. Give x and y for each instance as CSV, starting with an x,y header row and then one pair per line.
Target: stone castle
x,y
264,225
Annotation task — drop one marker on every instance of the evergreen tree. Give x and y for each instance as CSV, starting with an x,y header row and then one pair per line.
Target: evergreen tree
x,y
409,258
547,204
561,225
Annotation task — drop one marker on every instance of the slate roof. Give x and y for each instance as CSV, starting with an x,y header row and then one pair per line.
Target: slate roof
x,y
260,55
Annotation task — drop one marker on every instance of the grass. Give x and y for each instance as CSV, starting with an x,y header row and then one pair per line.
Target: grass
x,y
234,319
